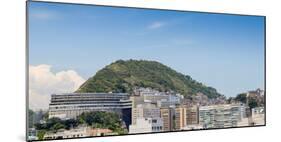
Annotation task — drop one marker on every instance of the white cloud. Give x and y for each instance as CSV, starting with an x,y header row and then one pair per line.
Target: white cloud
x,y
43,14
43,83
156,25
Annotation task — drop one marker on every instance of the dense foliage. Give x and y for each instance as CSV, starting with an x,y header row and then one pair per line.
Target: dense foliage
x,y
252,101
241,98
53,124
40,134
123,76
96,119
102,119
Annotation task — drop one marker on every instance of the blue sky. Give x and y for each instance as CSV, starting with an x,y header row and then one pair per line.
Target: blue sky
x,y
222,51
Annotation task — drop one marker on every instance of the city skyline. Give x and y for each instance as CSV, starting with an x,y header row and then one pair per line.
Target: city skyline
x,y
70,43
145,111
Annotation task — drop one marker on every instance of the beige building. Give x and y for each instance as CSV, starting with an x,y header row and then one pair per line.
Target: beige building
x,y
72,133
180,118
167,115
136,100
99,132
186,116
192,115
78,132
145,111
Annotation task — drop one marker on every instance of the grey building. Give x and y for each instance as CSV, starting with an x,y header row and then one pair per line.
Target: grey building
x,y
71,105
219,116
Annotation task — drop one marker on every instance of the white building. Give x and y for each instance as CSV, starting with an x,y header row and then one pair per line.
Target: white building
x,y
146,125
71,105
72,133
169,100
258,116
219,116
193,127
243,111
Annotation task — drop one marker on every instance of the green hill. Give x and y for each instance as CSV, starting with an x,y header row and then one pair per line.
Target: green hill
x,y
122,76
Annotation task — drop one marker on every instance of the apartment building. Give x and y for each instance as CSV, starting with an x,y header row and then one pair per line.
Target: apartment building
x,y
180,118
145,111
219,116
71,105
146,125
192,115
167,115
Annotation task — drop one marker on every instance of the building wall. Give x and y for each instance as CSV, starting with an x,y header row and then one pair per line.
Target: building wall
x,y
73,133
145,111
180,118
71,105
141,125
192,115
167,116
146,125
219,116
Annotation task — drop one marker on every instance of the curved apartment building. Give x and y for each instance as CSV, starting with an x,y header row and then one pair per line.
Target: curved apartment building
x,y
71,105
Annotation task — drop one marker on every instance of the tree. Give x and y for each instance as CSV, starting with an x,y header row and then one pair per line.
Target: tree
x,y
252,103
39,126
40,134
229,100
56,127
123,75
30,118
86,118
241,97
52,124
100,119
46,116
70,123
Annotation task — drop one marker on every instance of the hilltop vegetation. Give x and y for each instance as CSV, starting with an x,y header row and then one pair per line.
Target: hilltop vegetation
x,y
122,76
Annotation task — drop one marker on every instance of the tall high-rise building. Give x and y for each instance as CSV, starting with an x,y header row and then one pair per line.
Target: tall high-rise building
x,y
136,100
219,116
192,115
180,118
167,116
145,111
